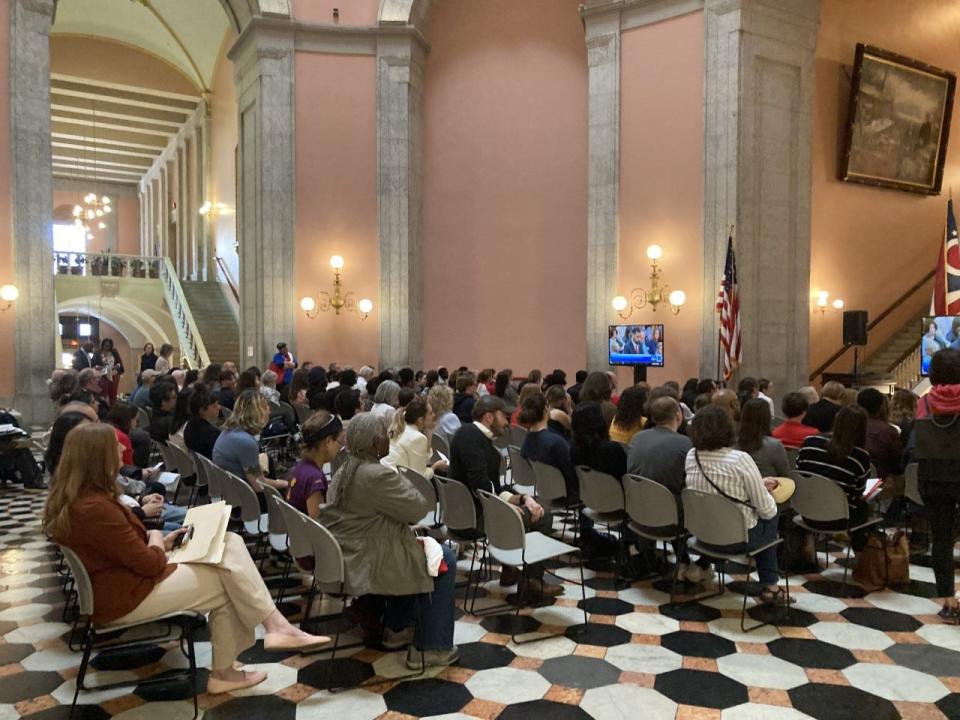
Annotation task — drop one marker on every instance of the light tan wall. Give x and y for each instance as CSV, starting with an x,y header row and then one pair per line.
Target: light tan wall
x,y
869,245
505,151
113,62
6,247
223,144
661,179
336,184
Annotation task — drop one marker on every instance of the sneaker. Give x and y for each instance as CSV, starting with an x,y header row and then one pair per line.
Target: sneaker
x,y
694,573
431,658
682,572
396,639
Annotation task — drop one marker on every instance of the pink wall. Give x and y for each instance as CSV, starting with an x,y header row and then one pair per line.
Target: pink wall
x,y
505,151
661,179
352,12
123,224
109,61
6,247
870,245
223,177
336,181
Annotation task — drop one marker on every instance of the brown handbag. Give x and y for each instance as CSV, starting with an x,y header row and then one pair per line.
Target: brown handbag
x,y
885,561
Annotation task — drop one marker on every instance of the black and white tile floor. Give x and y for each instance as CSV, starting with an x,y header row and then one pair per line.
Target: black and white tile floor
x,y
882,656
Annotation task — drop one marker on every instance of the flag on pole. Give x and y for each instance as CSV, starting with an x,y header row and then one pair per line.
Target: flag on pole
x,y
730,314
946,284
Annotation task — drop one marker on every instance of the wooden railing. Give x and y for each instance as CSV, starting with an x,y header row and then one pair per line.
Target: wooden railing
x,y
876,321
106,265
906,371
226,276
192,350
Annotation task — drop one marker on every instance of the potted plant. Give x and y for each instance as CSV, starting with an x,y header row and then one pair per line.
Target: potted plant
x,y
154,268
63,263
78,262
138,268
117,266
98,264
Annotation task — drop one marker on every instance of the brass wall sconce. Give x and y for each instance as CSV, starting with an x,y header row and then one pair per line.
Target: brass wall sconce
x,y
658,293
324,301
9,295
824,304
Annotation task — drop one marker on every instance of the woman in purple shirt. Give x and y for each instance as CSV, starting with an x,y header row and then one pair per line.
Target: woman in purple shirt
x,y
319,445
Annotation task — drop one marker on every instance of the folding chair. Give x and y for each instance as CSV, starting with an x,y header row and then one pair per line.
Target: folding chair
x,y
201,471
819,499
187,469
187,620
509,544
460,524
426,488
440,445
303,413
655,513
238,493
213,475
522,476
792,454
714,521
603,502
552,494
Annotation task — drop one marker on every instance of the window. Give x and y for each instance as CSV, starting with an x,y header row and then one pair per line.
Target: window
x,y
69,239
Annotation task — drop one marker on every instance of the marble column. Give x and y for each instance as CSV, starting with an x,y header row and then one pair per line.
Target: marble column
x,y
400,60
263,69
758,104
32,206
603,176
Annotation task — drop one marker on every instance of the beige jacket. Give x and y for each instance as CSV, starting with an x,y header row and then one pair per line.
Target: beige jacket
x,y
372,524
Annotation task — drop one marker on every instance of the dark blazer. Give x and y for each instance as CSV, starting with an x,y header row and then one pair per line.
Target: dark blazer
x,y
200,436
112,544
821,415
81,360
474,460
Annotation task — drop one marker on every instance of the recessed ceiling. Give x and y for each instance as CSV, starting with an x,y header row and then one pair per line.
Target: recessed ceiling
x,y
186,33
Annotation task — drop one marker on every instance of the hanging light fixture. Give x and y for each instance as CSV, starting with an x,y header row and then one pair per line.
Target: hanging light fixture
x,y
95,208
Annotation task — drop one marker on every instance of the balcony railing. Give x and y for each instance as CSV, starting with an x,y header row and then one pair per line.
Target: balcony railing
x,y
192,349
106,265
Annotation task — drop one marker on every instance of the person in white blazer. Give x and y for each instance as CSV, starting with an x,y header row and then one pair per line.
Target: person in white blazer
x,y
412,447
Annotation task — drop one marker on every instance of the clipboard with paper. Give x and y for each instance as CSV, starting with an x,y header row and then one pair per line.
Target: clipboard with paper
x,y
209,524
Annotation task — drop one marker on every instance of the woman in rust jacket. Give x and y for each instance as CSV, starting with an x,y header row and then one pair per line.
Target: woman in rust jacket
x,y
132,580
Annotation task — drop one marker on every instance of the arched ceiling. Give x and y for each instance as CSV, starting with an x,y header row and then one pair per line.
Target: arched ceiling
x,y
186,33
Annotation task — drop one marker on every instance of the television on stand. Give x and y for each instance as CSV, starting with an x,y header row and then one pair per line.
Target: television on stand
x,y
937,333
636,345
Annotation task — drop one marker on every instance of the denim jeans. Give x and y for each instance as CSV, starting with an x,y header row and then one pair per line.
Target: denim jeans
x,y
432,612
172,517
764,532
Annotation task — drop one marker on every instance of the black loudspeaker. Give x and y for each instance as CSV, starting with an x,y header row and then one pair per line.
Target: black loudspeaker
x,y
855,327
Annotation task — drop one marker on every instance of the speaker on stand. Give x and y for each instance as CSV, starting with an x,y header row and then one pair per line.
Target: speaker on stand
x,y
855,334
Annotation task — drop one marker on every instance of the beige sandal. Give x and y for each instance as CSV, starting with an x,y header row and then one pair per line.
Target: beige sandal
x,y
250,678
278,642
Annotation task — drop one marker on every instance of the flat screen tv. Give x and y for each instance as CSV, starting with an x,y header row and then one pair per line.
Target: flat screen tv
x,y
636,345
937,333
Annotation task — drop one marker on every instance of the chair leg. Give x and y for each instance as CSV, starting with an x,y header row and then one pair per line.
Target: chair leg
x,y
843,585
336,640
82,673
583,591
192,658
476,585
311,594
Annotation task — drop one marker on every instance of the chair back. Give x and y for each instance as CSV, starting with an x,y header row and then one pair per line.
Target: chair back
x,y
337,461
911,485
303,413
276,524
713,519
327,557
298,541
439,444
214,477
517,435
503,524
550,483
169,459
426,488
203,479
82,581
649,504
792,454
521,472
240,493
457,510
818,498
599,491
143,418
185,464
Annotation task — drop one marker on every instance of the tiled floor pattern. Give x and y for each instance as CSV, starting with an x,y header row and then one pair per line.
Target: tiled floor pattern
x,y
882,656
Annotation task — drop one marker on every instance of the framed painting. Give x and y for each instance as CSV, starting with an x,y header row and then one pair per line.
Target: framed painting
x,y
898,122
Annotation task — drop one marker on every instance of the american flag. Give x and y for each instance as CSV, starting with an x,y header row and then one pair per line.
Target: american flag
x,y
730,314
946,287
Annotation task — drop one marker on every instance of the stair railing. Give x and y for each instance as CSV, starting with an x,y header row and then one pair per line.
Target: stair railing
x,y
906,370
192,350
876,321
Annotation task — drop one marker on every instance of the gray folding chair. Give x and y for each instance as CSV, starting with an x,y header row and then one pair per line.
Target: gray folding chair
x,y
792,454
458,514
187,469
143,418
277,537
203,480
716,522
303,413
439,444
552,494
911,484
521,472
603,502
188,622
509,544
213,476
338,461
255,523
426,488
655,513
819,499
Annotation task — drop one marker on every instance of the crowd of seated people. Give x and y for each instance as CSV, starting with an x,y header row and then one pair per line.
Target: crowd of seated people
x,y
703,436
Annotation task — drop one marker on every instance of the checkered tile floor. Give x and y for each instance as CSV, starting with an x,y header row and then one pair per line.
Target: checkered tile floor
x,y
884,655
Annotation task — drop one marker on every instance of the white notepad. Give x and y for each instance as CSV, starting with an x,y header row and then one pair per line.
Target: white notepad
x,y
209,529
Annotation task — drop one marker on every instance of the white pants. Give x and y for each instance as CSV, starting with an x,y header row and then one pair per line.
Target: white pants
x,y
232,592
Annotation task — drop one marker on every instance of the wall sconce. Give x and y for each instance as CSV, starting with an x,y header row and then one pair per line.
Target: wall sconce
x,y
214,210
658,293
823,302
338,301
9,295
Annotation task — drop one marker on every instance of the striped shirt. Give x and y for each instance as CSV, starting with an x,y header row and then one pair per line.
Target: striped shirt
x,y
735,473
850,472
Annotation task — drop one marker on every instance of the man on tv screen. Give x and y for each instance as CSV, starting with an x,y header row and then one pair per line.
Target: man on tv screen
x,y
638,343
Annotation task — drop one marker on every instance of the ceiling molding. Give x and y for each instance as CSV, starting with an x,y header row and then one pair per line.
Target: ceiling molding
x,y
121,86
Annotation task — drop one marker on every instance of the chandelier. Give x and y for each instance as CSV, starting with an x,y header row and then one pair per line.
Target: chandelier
x,y
95,207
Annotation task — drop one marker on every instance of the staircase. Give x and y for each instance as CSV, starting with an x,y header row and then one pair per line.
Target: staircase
x,y
215,320
881,364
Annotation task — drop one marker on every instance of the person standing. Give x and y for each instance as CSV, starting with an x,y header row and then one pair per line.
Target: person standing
x,y
283,364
